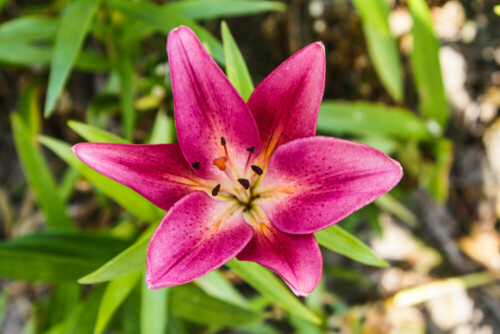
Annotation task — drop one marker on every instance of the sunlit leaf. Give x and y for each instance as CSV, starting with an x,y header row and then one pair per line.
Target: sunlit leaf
x,y
56,256
154,310
216,285
39,176
272,288
130,260
236,69
163,131
363,118
71,32
195,305
425,64
114,295
96,135
214,9
373,11
340,241
126,197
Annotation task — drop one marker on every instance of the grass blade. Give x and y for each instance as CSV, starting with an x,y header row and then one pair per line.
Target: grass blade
x,y
72,30
154,310
95,135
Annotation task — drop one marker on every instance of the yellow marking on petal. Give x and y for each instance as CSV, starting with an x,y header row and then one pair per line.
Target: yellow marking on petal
x,y
220,162
265,230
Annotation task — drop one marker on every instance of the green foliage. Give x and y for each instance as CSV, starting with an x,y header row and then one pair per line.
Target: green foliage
x,y
154,310
56,256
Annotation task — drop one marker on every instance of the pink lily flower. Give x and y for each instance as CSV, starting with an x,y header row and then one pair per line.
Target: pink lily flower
x,y
247,180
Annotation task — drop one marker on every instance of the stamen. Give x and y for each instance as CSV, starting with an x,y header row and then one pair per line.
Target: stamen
x,y
251,149
244,183
257,169
196,165
220,163
223,141
216,189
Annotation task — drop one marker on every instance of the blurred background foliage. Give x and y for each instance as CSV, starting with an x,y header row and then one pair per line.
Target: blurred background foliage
x,y
417,79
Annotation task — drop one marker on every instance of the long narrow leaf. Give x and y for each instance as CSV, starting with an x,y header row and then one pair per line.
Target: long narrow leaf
x,y
39,176
154,310
215,9
425,64
126,75
72,30
131,259
28,28
114,295
340,241
126,197
382,46
272,288
362,118
236,69
55,256
92,134
216,285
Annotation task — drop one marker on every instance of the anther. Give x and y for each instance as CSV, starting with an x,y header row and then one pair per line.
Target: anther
x,y
251,149
244,183
196,165
223,141
220,163
257,169
216,189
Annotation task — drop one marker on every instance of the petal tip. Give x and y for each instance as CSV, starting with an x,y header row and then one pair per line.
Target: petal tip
x,y
322,46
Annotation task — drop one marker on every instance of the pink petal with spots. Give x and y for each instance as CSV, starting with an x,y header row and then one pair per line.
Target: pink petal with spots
x,y
198,235
207,106
296,258
158,172
318,181
286,103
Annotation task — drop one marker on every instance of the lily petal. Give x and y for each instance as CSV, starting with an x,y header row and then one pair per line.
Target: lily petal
x,y
198,235
315,182
158,172
207,107
296,258
286,103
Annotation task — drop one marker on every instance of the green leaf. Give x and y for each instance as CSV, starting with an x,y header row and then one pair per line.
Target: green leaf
x,y
115,294
272,288
497,9
154,310
163,131
215,9
27,29
384,144
63,300
131,259
193,304
236,69
340,241
362,118
382,46
67,184
4,298
95,135
29,112
425,64
390,204
39,176
56,256
216,285
374,12
126,197
126,74
25,54
164,20
72,30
